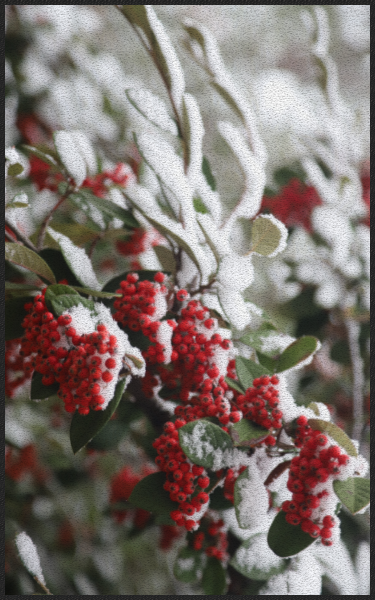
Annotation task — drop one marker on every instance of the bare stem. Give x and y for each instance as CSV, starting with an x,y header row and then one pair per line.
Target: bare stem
x,y
42,231
353,329
44,587
23,239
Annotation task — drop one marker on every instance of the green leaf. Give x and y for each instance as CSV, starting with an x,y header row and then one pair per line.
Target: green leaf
x,y
336,433
84,427
40,391
15,169
109,437
79,234
47,158
187,565
285,539
252,568
234,385
265,236
109,208
24,257
315,408
354,493
59,289
267,362
255,339
201,439
14,315
218,501
166,258
199,206
150,495
213,578
62,303
95,293
297,352
247,370
206,170
247,433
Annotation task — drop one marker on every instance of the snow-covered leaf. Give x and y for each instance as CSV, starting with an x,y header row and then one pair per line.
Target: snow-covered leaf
x,y
29,556
77,260
152,108
200,439
255,560
250,498
24,257
150,495
354,493
187,565
70,155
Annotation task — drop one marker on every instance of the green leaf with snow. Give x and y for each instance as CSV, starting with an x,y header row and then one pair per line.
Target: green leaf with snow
x,y
235,385
255,339
39,391
19,201
84,427
247,370
77,233
60,304
199,206
85,198
247,433
200,440
336,433
253,561
95,293
152,108
30,260
297,352
238,497
150,495
285,539
354,493
214,578
268,236
77,260
39,153
187,565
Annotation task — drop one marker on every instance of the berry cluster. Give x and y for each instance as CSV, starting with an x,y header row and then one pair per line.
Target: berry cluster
x,y
18,370
142,304
260,405
212,538
81,364
122,485
20,462
316,466
183,479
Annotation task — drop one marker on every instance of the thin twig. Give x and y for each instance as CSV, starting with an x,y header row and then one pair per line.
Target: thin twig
x,y
19,235
44,587
353,329
42,231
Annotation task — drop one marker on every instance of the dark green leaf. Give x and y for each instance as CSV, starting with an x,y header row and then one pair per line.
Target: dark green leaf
x,y
84,427
285,539
297,352
247,433
267,362
200,439
59,266
166,258
168,394
56,290
40,391
95,293
247,370
217,500
206,170
24,257
234,385
336,433
15,169
199,206
109,437
187,565
354,493
150,495
14,315
213,578
61,304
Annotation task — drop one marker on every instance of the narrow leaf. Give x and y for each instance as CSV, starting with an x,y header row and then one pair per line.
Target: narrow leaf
x,y
77,233
39,391
152,108
354,493
95,293
107,207
213,579
336,433
297,352
84,427
285,539
44,156
234,385
200,439
247,370
199,206
24,257
206,170
166,258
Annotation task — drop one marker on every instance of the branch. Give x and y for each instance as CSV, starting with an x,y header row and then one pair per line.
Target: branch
x,y
44,587
353,329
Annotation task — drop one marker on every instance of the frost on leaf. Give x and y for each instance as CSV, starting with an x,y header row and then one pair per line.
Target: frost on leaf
x,y
29,555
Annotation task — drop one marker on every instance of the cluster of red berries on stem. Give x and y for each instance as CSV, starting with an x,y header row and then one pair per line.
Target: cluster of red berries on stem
x,y
18,370
260,405
212,538
80,364
318,462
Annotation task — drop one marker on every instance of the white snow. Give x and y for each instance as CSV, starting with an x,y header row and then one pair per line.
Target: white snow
x,y
29,555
